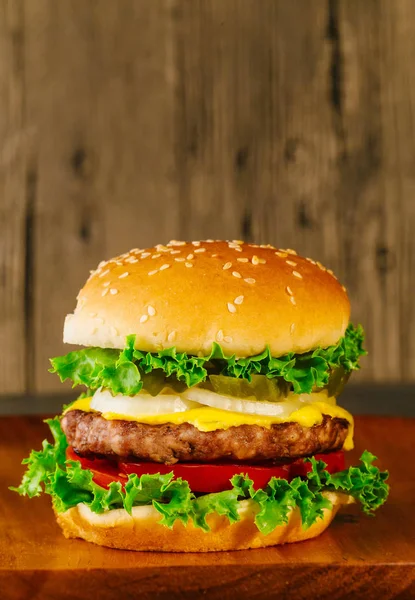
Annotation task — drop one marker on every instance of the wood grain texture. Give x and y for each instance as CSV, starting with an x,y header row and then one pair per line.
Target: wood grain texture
x,y
100,73
376,176
357,557
15,204
131,122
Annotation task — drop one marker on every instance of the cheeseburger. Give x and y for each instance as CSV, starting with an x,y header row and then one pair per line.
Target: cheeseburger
x,y
209,417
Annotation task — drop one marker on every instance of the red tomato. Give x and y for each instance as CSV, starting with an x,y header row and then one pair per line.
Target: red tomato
x,y
334,460
205,478
209,477
104,471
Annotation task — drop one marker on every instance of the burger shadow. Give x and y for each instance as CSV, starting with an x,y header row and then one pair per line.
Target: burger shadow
x,y
346,518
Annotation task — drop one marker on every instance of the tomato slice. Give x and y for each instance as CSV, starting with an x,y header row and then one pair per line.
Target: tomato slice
x,y
334,460
104,471
209,477
204,478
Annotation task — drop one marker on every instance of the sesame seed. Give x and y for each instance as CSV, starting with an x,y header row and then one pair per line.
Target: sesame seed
x,y
196,243
255,260
180,259
123,275
281,254
290,251
162,248
209,241
237,248
143,318
243,260
103,263
119,262
136,250
198,250
227,266
227,339
145,254
292,300
236,274
153,272
113,291
171,336
238,242
92,314
291,263
250,280
310,260
163,267
297,274
231,307
330,271
219,336
105,292
188,264
151,311
131,260
289,291
189,256
177,243
214,255
292,327
320,266
343,288
175,251
106,283
262,261
104,273
156,256
239,300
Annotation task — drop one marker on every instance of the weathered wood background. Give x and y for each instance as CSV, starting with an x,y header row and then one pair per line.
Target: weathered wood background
x,y
125,123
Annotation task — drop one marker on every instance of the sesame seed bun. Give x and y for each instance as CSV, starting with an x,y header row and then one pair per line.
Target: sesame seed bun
x,y
189,295
141,531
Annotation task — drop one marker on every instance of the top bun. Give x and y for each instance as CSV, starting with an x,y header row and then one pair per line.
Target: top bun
x,y
191,294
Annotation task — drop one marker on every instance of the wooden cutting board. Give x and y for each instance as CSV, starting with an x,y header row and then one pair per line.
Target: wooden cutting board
x,y
357,557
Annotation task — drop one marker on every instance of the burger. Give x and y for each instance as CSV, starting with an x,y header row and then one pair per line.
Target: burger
x,y
209,417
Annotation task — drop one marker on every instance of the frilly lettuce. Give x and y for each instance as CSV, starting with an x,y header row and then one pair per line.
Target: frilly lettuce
x,y
128,370
48,471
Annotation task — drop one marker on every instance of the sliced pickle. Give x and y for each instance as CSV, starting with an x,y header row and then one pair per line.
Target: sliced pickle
x,y
337,381
260,388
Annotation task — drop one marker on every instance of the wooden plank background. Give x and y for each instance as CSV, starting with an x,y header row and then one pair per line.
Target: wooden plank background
x,y
128,123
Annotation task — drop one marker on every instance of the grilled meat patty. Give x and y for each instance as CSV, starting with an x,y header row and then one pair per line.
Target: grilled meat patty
x,y
90,434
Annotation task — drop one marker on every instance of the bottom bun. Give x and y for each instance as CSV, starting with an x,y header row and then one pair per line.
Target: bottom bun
x,y
141,530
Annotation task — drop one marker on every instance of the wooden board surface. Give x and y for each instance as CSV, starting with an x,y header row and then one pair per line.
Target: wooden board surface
x,y
127,123
358,557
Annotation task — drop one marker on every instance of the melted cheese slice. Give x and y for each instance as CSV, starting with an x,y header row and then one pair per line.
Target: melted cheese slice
x,y
210,419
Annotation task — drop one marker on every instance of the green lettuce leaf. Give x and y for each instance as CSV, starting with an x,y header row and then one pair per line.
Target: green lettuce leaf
x,y
43,462
366,483
127,371
69,484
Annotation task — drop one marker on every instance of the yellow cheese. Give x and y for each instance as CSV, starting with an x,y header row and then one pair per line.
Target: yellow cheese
x,y
209,419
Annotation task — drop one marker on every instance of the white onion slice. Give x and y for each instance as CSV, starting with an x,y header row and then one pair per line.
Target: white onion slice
x,y
253,407
250,407
140,405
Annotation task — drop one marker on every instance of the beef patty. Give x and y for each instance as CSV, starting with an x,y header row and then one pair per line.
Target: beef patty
x,y
91,434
